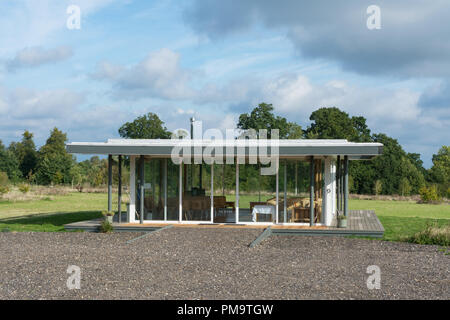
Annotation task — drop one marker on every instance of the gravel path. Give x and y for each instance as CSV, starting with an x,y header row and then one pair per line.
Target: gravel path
x,y
204,263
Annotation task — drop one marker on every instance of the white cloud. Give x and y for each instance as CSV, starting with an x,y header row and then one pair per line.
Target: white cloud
x,y
288,91
22,103
336,31
107,70
30,23
294,95
35,110
36,56
186,112
159,75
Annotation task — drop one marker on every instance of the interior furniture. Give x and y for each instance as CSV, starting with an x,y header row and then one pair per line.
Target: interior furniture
x,y
263,209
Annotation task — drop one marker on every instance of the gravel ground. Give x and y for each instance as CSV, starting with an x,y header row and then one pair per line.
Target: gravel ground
x,y
201,263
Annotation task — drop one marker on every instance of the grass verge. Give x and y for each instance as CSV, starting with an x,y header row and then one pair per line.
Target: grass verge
x,y
436,235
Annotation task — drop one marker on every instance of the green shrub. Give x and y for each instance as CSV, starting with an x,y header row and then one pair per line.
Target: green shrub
x,y
404,187
4,181
108,213
3,190
378,187
432,235
429,194
24,188
106,227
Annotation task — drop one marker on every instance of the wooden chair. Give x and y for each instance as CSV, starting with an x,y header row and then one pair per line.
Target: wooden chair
x,y
196,207
219,202
219,205
206,207
300,215
187,209
230,204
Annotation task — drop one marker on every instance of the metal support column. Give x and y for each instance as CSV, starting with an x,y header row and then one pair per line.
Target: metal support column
x,y
277,197
285,193
223,179
341,185
212,192
119,192
296,177
346,186
109,183
165,189
132,207
338,182
141,188
237,191
200,177
180,191
311,192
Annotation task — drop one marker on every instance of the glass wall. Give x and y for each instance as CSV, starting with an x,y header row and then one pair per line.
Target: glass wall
x,y
173,194
297,206
224,193
257,193
154,189
196,193
257,196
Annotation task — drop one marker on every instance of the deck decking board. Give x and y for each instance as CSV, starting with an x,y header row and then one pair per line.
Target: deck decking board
x,y
359,222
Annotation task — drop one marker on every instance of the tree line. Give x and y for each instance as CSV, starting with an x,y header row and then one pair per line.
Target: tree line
x,y
394,172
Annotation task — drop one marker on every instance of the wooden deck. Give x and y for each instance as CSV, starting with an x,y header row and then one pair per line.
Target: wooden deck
x,y
359,223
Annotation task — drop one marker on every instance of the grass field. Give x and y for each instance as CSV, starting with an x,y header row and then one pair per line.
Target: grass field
x,y
399,218
51,213
403,218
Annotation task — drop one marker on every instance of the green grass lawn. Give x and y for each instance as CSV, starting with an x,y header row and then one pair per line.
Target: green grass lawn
x,y
402,219
71,202
399,218
50,214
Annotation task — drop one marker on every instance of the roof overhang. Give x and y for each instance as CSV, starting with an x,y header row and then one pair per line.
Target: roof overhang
x,y
163,148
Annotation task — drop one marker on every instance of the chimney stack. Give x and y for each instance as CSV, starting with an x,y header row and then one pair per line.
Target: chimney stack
x,y
196,129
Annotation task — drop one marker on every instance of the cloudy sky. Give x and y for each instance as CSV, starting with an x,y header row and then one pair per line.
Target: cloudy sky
x,y
217,59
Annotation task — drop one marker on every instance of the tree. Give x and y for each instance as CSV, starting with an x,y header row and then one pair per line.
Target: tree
x,y
77,174
389,168
393,165
9,163
4,181
95,171
417,162
439,173
25,152
429,194
54,163
404,187
378,187
148,126
332,123
262,117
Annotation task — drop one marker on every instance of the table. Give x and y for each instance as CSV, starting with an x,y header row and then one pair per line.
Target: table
x,y
262,209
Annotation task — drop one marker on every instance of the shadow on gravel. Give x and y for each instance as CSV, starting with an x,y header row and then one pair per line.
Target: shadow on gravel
x,y
47,222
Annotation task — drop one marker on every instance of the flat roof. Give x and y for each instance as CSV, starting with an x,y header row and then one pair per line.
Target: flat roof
x,y
287,148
